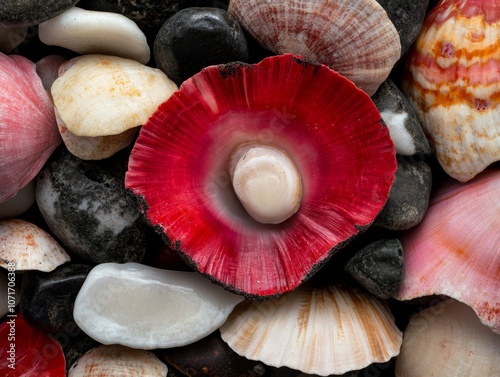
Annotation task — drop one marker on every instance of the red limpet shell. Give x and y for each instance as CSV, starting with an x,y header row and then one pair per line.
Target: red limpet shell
x,y
29,352
330,129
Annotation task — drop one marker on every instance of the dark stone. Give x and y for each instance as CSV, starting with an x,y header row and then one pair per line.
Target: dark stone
x,y
86,206
24,13
74,342
47,299
210,356
409,196
378,267
407,16
401,119
195,38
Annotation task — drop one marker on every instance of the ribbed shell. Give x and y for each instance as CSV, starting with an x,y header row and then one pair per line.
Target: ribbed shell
x,y
447,339
317,331
455,250
118,361
353,37
452,80
28,130
29,247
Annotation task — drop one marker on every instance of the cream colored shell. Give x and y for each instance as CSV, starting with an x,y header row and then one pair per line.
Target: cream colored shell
x,y
317,331
353,37
118,361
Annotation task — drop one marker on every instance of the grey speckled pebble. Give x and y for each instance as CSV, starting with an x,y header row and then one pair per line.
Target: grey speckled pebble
x,y
378,267
407,16
24,13
86,206
406,131
409,196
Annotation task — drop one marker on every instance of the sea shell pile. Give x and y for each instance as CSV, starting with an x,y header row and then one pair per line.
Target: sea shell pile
x,y
328,205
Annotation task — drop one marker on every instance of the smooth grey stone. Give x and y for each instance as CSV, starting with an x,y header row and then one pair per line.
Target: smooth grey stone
x,y
24,13
407,16
378,267
48,298
399,116
195,38
409,196
86,206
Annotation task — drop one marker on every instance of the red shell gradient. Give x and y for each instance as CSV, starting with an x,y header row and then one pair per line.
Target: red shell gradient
x,y
330,129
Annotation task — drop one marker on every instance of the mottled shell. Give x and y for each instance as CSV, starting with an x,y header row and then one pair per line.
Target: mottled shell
x,y
25,246
317,331
118,361
353,37
447,339
455,250
452,79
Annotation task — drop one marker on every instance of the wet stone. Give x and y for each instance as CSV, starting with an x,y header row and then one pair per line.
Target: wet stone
x,y
86,206
24,13
397,113
378,267
195,38
409,196
48,298
407,16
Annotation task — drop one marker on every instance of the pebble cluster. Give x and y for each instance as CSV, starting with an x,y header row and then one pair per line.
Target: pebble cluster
x,y
116,278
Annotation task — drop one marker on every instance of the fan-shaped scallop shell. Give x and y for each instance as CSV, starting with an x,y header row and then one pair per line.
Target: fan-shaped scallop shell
x,y
354,37
317,331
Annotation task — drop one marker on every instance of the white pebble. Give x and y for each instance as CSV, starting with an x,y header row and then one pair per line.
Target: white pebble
x,y
403,141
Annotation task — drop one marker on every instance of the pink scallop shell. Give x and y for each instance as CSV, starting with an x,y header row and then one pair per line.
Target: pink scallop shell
x,y
455,250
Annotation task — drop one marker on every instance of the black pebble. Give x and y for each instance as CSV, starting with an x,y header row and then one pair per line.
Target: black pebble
x,y
195,38
378,267
24,13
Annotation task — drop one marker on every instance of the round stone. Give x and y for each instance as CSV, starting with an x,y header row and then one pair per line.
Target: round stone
x,y
195,38
23,13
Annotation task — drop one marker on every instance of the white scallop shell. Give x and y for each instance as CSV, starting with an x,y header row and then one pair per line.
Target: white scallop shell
x,y
317,331
29,247
118,361
353,37
448,339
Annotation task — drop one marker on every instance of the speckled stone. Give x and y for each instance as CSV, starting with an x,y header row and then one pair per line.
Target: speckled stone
x,y
407,16
24,13
195,38
86,206
48,298
378,267
405,129
409,196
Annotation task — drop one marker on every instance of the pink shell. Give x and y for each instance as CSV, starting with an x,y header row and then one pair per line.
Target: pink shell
x,y
455,250
28,130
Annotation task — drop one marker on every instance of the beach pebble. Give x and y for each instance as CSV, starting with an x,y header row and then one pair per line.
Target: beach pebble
x,y
378,267
404,127
407,16
23,13
48,298
409,196
92,32
195,38
86,206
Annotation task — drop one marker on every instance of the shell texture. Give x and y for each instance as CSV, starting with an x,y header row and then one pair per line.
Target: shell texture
x,y
118,361
28,130
320,331
29,247
329,128
447,339
452,79
353,37
455,250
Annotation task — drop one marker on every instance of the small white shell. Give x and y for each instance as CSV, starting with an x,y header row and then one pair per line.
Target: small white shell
x,y
118,361
448,339
91,32
144,307
317,331
29,247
